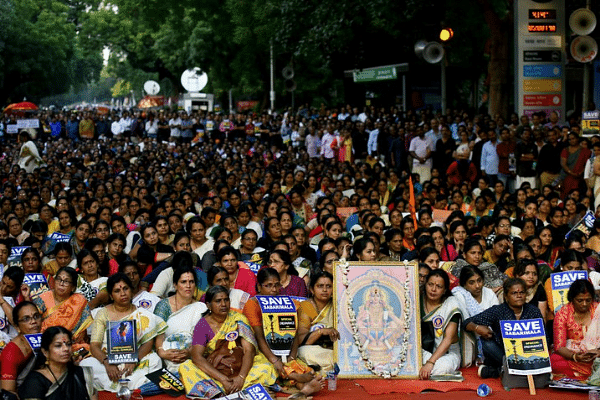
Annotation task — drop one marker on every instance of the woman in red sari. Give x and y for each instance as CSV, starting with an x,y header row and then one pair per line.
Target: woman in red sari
x,y
576,333
572,160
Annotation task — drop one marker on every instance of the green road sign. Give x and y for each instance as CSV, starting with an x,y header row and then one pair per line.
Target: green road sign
x,y
375,74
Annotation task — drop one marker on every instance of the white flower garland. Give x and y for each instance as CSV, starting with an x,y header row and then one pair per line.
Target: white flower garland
x,y
345,268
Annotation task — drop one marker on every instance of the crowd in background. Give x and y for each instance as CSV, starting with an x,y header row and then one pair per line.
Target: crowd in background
x,y
179,219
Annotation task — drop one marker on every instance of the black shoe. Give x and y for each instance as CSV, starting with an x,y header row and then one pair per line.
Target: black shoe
x,y
486,372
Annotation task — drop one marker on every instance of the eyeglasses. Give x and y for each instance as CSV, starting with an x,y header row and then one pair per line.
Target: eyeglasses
x,y
517,294
270,286
28,319
63,282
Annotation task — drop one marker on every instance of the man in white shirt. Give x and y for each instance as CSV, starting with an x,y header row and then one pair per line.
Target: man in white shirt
x,y
434,134
421,151
174,124
116,127
326,150
372,147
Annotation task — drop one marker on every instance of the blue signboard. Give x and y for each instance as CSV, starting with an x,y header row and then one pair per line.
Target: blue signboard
x,y
542,71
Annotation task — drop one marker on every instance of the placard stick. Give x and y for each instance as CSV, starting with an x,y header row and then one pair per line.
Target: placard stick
x,y
531,385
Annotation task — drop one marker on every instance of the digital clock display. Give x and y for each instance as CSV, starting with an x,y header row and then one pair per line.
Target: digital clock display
x,y
542,27
542,14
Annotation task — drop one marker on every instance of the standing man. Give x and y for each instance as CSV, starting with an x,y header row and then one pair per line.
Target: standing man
x,y
421,151
444,149
526,155
489,158
547,166
506,150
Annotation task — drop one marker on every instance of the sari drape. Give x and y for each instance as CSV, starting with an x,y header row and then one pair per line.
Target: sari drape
x,y
73,313
314,354
262,371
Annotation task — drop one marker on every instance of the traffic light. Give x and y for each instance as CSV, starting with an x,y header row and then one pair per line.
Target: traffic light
x,y
446,34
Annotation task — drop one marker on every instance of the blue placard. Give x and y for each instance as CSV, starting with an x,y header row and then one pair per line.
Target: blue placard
x,y
563,280
542,71
34,340
522,329
59,237
254,266
257,392
276,304
30,279
17,251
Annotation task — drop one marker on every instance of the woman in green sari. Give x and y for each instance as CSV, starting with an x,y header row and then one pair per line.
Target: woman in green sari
x,y
315,330
223,327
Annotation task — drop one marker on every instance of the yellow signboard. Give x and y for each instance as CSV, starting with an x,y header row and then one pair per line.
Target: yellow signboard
x,y
542,85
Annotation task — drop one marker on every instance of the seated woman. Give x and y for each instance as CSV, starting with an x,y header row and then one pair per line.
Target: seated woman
x,y
218,276
148,326
487,324
527,270
213,333
63,256
239,278
16,359
315,328
141,298
291,284
55,377
576,333
441,350
152,252
472,298
181,312
116,255
363,250
299,374
473,255
164,284
62,306
10,285
90,283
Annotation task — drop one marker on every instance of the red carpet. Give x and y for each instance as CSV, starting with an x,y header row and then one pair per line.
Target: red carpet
x,y
366,389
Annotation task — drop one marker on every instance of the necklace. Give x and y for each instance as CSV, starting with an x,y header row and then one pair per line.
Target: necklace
x,y
518,315
177,305
54,376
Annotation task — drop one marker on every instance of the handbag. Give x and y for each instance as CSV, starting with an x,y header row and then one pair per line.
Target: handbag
x,y
225,360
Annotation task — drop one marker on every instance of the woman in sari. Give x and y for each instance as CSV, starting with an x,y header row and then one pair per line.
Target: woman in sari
x,y
55,376
572,160
293,372
140,298
148,327
472,297
181,312
218,276
63,307
29,157
528,271
315,329
291,283
239,277
90,283
17,357
218,327
440,319
576,333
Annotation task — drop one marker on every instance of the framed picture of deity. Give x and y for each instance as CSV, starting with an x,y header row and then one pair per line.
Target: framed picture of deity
x,y
378,318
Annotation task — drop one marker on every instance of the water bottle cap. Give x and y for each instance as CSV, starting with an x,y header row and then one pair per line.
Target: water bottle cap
x,y
483,390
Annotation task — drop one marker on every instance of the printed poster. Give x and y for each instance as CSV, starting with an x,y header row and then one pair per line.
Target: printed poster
x,y
280,321
14,258
254,392
168,382
376,307
585,225
37,284
122,342
35,341
525,347
59,237
561,282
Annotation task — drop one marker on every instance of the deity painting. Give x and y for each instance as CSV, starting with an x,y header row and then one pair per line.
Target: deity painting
x,y
377,320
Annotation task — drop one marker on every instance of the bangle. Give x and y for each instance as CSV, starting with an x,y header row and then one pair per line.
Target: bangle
x,y
243,377
476,326
429,361
574,356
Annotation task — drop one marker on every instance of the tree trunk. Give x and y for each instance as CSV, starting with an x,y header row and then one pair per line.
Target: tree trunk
x,y
501,30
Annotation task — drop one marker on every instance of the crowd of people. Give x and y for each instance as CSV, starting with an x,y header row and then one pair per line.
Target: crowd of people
x,y
179,220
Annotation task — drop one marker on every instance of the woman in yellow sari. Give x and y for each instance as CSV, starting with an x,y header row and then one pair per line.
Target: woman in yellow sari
x,y
200,377
315,330
63,307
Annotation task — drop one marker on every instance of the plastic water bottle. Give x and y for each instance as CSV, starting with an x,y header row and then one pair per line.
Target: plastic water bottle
x,y
484,390
331,381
